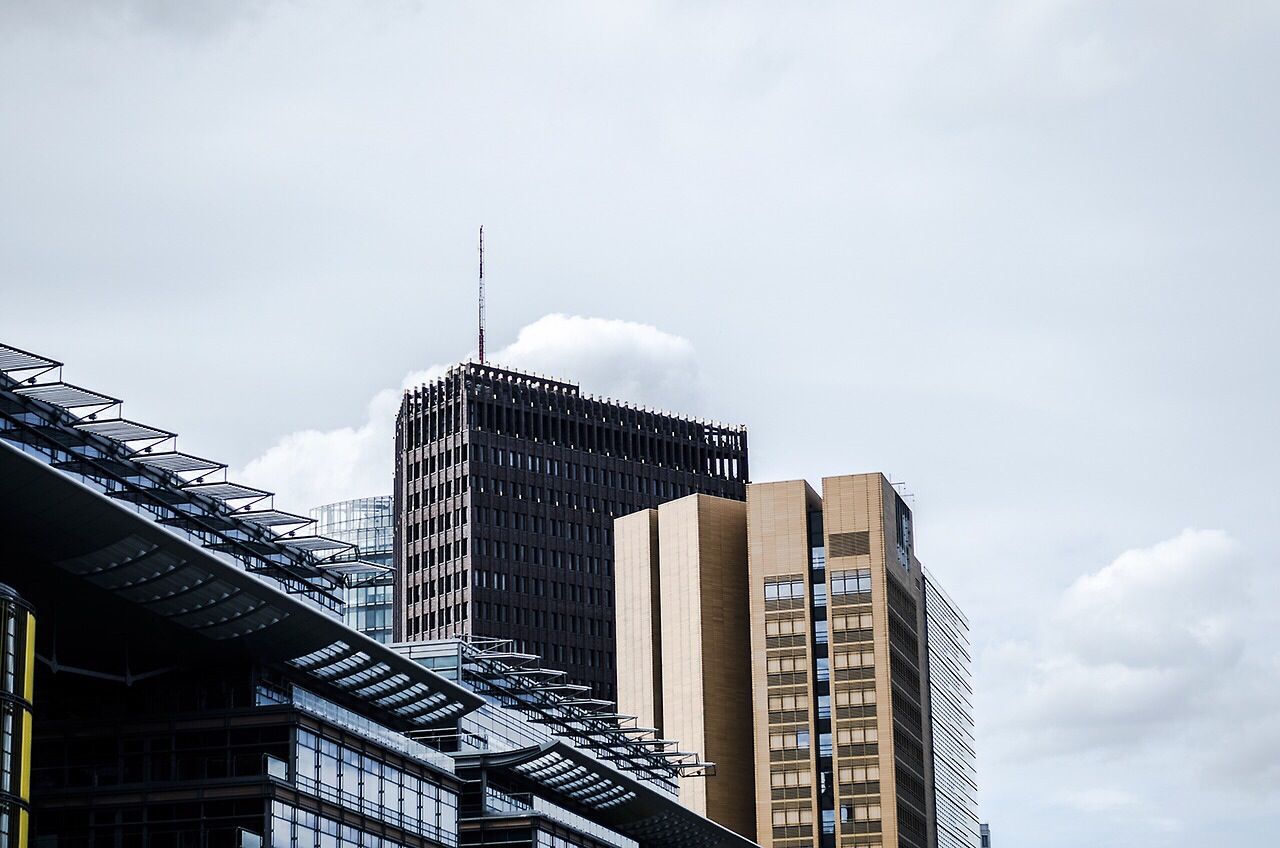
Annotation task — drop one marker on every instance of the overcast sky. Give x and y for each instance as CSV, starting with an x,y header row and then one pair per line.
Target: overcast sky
x,y
1021,255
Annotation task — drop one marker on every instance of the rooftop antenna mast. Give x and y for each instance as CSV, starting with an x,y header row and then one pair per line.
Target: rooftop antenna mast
x,y
482,294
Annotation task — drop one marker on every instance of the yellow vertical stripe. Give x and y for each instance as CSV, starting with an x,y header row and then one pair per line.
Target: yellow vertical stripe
x,y
24,776
28,683
23,826
25,763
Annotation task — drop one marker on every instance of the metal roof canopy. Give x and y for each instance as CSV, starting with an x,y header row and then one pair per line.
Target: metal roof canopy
x,y
117,550
224,491
123,430
272,517
617,799
177,462
66,395
16,359
167,483
506,673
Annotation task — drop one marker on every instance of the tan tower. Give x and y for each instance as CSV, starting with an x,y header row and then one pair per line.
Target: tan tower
x,y
682,625
840,749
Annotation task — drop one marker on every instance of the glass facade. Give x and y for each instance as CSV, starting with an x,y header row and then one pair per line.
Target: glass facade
x,y
369,524
951,719
295,828
356,780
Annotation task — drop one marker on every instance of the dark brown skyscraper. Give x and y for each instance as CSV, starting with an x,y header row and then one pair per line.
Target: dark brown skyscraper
x,y
507,485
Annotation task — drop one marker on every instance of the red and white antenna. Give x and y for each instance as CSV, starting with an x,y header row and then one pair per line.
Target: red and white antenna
x,y
482,294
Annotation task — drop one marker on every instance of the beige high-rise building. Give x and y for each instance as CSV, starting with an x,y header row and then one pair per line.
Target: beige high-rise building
x,y
835,643
682,625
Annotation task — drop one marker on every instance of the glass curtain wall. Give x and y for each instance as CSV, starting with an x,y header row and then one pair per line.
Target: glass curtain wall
x,y
369,524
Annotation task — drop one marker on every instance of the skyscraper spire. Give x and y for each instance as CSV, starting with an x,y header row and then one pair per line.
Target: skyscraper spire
x,y
482,294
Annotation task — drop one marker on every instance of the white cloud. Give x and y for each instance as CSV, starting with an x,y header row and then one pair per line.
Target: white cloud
x,y
637,363
1132,648
633,362
1158,666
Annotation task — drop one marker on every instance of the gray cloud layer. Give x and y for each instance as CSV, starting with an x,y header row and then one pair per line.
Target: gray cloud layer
x,y
1020,254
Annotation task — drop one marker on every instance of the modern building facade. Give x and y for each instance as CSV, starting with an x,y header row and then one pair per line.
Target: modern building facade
x,y
369,594
683,625
839,655
506,488
984,835
950,709
197,685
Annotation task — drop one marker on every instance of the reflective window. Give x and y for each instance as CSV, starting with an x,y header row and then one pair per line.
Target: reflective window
x,y
355,780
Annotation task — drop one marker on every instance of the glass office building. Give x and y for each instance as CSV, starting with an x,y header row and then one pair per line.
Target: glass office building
x,y
369,524
951,718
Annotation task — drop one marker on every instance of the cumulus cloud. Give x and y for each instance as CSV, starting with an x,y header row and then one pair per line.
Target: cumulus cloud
x,y
1165,654
634,362
630,361
1126,647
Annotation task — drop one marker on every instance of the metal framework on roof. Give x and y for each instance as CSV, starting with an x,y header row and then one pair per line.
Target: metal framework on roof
x,y
517,680
173,588
84,433
621,802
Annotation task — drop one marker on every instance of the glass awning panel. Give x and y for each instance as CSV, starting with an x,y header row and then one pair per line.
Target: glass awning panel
x,y
177,462
272,517
15,359
225,491
124,430
315,543
65,395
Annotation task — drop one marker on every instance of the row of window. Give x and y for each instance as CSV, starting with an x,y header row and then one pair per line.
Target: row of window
x,y
790,816
852,621
788,703
842,583
859,812
366,784
857,735
851,582
578,472
554,497
785,627
783,589
515,552
789,740
436,492
433,619
859,774
539,618
438,524
855,697
854,659
555,528
783,665
441,585
790,777
439,461
448,552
